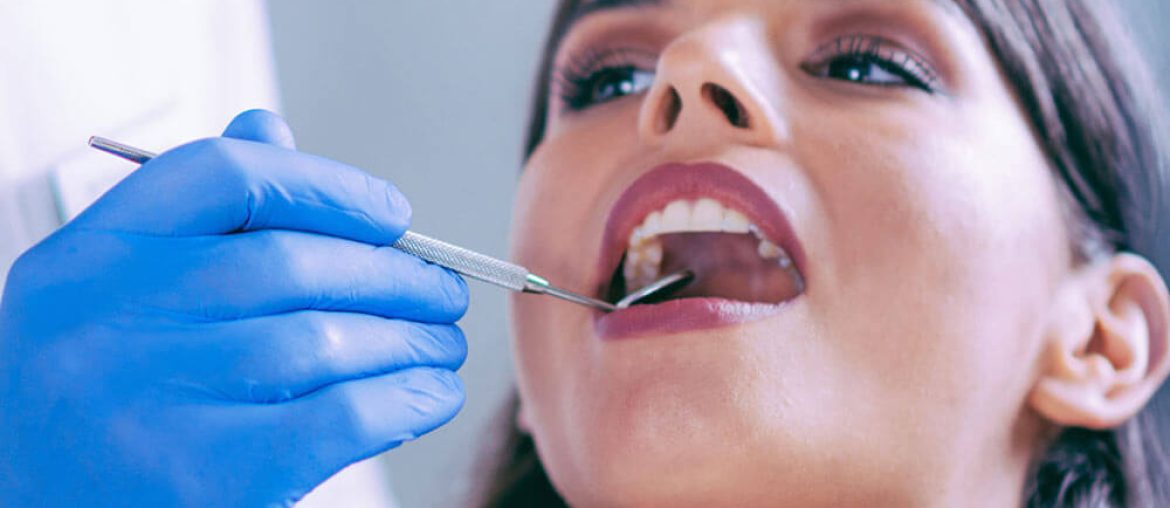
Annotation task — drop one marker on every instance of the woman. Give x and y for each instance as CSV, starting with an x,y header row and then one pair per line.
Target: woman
x,y
967,192
919,234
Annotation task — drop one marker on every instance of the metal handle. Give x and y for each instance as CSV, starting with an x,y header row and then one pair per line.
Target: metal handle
x,y
464,261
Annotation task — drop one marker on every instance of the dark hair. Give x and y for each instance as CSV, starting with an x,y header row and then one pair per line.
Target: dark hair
x,y
1093,109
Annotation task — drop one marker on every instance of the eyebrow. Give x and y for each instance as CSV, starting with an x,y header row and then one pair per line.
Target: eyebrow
x,y
589,7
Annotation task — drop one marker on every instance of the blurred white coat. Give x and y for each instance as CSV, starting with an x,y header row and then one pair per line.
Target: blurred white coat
x,y
149,73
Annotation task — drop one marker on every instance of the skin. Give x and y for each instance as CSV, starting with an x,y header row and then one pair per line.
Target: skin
x,y
915,369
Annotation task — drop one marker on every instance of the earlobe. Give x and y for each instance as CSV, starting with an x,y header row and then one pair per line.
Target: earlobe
x,y
1106,350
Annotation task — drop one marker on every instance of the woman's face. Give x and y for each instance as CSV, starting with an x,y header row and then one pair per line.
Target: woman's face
x,y
876,240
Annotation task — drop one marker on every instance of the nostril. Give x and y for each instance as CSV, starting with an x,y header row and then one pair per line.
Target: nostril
x,y
668,111
732,109
673,108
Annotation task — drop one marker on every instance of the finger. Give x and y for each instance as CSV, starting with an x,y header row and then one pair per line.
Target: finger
x,y
279,358
284,450
274,272
224,185
352,421
262,127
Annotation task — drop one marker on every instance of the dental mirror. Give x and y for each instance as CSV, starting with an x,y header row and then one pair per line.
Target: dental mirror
x,y
672,282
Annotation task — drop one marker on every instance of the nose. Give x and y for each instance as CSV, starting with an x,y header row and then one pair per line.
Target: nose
x,y
717,84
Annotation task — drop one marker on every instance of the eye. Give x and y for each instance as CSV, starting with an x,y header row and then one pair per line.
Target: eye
x,y
871,61
600,78
865,69
612,83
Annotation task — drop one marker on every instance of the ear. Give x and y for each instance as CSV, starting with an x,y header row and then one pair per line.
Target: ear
x,y
1106,346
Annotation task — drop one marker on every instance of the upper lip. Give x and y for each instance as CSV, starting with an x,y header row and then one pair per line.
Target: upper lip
x,y
668,182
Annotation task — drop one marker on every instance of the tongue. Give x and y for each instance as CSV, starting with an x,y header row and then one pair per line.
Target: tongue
x,y
727,265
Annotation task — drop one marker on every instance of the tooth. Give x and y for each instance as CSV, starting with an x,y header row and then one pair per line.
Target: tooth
x,y
676,217
785,260
633,259
769,250
652,253
734,222
649,262
637,236
798,279
755,231
643,264
647,273
707,215
652,226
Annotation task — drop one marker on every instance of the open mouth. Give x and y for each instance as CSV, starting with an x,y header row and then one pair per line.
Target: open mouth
x,y
708,219
728,255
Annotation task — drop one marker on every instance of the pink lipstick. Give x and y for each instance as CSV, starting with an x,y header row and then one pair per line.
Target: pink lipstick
x,y
669,183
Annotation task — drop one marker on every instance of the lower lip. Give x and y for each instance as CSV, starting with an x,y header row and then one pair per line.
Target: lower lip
x,y
676,316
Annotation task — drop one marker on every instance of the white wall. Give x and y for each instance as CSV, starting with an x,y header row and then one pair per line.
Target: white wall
x,y
73,69
433,95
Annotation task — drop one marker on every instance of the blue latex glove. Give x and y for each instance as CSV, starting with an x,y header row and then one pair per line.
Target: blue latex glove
x,y
225,327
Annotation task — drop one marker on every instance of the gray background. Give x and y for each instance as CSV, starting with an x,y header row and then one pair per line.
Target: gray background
x,y
433,96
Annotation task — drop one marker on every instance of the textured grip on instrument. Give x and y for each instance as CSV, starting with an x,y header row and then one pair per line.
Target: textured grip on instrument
x,y
466,262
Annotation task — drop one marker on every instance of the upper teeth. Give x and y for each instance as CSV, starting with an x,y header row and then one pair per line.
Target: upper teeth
x,y
644,252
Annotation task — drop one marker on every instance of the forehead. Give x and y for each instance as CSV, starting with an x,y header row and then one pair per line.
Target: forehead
x,y
584,8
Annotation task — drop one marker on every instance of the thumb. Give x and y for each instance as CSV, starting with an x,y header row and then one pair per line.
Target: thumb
x,y
261,126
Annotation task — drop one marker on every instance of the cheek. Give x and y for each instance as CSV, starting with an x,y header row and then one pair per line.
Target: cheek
x,y
558,221
945,240
559,210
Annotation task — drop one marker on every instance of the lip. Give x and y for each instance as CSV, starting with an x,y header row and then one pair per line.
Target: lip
x,y
674,316
652,191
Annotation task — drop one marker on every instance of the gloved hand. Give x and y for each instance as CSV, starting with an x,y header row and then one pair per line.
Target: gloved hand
x,y
226,327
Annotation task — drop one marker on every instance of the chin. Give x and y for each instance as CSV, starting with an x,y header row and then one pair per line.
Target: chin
x,y
689,419
669,469
680,471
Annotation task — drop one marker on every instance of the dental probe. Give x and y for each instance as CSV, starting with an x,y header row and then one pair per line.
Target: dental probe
x,y
467,262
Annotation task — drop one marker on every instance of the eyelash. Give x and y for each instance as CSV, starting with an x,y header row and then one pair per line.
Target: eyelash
x,y
913,70
579,79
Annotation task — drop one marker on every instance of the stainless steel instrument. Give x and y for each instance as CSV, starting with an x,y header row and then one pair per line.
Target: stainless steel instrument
x,y
467,262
